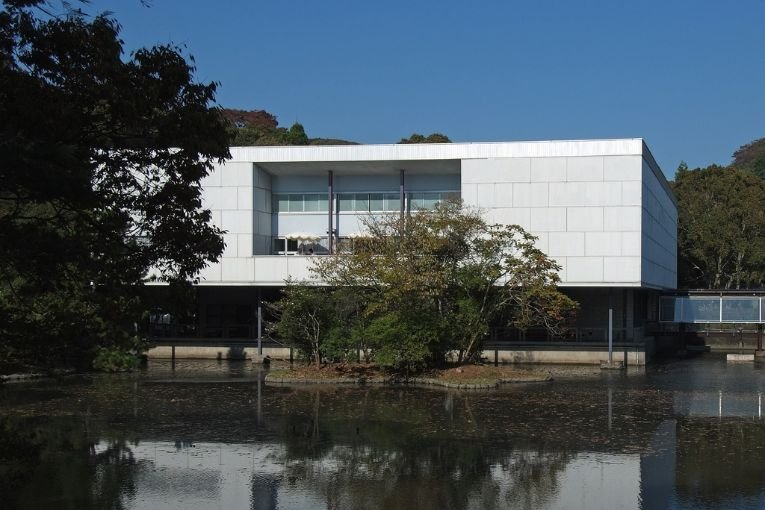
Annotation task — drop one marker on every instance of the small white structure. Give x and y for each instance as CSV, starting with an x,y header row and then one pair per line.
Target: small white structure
x,y
602,208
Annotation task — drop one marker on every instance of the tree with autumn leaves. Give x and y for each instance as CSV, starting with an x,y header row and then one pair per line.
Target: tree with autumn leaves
x,y
422,287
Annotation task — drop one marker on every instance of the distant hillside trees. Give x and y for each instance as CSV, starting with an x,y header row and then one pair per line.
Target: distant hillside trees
x,y
431,138
258,127
751,157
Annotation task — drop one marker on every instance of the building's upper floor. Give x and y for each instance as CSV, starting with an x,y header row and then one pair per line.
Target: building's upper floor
x,y
601,208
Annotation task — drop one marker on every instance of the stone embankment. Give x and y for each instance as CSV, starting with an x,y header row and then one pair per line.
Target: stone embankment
x,y
469,377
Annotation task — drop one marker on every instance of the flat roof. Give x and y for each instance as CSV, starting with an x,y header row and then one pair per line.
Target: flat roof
x,y
438,151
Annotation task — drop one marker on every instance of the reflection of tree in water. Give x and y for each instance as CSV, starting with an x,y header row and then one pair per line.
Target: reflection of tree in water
x,y
43,464
389,454
719,460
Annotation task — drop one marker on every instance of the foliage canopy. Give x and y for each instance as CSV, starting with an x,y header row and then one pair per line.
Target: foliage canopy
x,y
101,157
432,283
431,138
721,227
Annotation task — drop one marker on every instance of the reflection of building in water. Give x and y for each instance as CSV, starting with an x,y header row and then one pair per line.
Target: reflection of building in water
x,y
260,476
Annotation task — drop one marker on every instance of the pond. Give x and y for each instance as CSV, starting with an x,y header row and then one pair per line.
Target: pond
x,y
684,434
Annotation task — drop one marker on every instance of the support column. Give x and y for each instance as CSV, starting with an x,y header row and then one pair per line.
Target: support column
x,y
629,314
611,364
610,327
401,194
330,195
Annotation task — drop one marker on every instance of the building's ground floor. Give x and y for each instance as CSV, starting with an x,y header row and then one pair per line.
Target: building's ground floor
x,y
232,321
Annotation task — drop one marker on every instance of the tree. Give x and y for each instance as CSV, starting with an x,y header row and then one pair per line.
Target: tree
x,y
431,138
436,281
721,227
751,157
304,318
101,158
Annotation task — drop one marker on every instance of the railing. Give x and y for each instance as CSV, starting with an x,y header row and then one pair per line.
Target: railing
x,y
594,334
736,309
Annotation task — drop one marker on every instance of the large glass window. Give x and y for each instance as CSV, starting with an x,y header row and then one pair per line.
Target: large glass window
x,y
301,202
296,203
282,203
315,203
353,202
388,202
418,201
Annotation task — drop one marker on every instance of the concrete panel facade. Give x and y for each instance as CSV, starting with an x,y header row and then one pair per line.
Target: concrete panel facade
x,y
601,208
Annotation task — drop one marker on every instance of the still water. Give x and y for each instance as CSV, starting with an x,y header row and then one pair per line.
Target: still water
x,y
678,435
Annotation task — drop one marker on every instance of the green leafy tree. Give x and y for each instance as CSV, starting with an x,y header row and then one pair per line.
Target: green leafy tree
x,y
304,317
437,280
721,227
751,157
101,157
431,138
296,135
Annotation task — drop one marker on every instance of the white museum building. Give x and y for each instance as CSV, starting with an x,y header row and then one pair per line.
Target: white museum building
x,y
601,208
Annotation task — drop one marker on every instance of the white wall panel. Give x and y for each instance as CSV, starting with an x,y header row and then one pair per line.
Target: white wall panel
x,y
244,245
566,244
503,194
236,174
211,273
211,198
585,194
232,246
548,170
244,196
622,168
542,242
584,169
619,219
603,243
530,194
584,269
519,170
237,222
217,218
584,219
551,219
631,244
237,270
632,193
470,194
213,178
485,195
511,216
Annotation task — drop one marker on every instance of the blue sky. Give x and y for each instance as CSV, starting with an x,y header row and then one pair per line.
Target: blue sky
x,y
688,76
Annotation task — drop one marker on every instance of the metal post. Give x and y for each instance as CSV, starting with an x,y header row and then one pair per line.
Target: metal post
x,y
260,326
401,192
610,327
330,194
